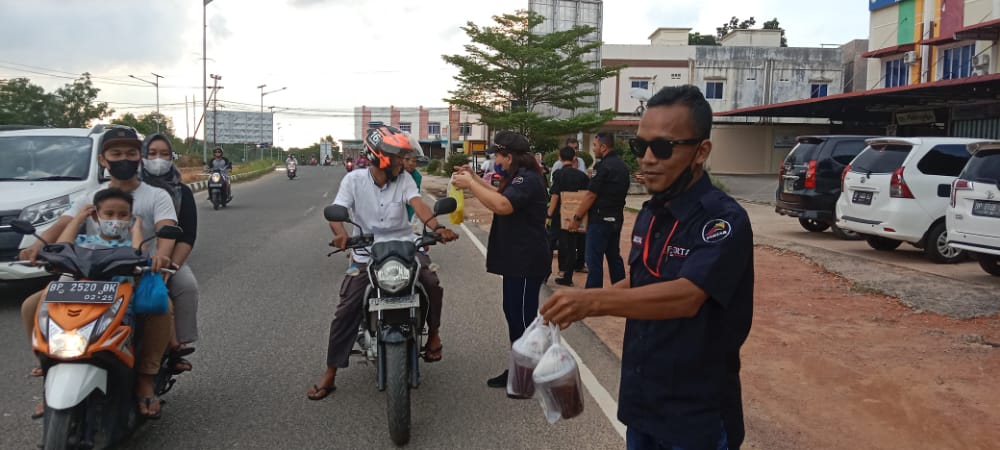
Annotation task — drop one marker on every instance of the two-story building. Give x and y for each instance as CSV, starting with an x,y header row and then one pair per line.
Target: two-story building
x,y
438,128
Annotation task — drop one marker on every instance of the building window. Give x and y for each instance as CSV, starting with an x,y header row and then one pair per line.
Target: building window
x,y
957,62
818,90
641,84
897,73
675,76
434,128
465,129
713,90
405,127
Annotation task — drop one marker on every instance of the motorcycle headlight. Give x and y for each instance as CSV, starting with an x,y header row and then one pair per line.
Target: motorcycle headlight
x,y
216,177
45,212
393,276
70,344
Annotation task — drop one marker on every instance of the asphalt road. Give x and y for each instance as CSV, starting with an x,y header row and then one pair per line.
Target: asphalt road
x,y
268,292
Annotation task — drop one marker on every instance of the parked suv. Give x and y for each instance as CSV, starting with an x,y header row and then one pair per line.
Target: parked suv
x,y
809,180
42,172
974,214
897,190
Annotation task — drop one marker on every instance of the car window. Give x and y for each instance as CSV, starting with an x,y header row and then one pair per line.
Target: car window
x,y
802,153
845,151
984,166
32,158
881,158
945,160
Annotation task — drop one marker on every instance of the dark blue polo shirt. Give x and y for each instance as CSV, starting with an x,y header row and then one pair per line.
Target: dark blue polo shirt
x,y
518,244
680,377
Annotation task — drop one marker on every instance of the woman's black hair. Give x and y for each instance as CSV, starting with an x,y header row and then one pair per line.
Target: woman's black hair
x,y
109,193
518,161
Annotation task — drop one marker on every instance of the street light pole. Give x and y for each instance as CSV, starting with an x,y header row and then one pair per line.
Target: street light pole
x,y
262,94
155,84
204,73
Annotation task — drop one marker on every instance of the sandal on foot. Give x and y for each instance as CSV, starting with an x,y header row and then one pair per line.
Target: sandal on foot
x,y
39,411
37,372
147,402
319,393
432,355
179,365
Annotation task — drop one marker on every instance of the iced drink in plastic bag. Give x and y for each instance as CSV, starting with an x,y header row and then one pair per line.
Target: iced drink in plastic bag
x,y
557,379
524,356
458,216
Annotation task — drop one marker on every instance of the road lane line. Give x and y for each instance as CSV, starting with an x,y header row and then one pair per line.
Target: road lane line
x,y
604,399
308,211
326,194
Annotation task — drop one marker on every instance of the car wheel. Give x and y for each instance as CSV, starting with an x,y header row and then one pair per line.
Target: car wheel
x,y
991,264
937,248
882,244
813,225
846,235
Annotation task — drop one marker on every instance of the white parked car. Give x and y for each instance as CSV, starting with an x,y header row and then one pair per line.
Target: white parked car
x,y
898,189
974,214
42,172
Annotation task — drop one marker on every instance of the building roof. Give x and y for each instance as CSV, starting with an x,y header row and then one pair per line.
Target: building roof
x,y
989,31
880,104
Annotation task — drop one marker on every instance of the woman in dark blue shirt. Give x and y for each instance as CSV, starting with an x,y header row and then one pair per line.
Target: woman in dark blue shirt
x,y
518,248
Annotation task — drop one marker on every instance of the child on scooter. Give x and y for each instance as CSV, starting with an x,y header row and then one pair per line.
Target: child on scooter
x,y
116,227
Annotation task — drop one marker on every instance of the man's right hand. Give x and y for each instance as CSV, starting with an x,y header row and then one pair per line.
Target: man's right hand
x,y
340,241
30,253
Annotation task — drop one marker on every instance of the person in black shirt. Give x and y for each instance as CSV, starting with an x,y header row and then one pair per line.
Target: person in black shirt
x,y
605,206
689,296
571,243
518,249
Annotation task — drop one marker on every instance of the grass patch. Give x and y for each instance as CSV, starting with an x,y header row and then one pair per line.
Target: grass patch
x,y
252,166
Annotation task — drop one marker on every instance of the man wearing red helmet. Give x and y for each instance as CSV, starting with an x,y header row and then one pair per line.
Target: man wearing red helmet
x,y
377,198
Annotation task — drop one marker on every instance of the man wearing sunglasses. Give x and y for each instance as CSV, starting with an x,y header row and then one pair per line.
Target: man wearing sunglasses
x,y
604,206
689,295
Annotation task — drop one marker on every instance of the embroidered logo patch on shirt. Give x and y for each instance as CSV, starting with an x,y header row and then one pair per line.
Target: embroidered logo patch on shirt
x,y
716,230
636,239
517,180
677,252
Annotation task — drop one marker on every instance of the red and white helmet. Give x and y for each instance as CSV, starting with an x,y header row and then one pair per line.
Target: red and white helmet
x,y
384,141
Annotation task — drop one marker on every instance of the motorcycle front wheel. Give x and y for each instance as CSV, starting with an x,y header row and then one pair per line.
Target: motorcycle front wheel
x,y
216,200
62,429
397,390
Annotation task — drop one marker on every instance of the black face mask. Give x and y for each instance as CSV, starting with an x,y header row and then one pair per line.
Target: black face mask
x,y
123,169
678,187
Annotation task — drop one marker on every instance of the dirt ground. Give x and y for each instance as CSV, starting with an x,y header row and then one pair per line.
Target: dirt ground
x,y
833,366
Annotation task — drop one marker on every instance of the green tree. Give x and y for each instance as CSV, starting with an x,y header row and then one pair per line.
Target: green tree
x,y
773,25
508,71
77,105
146,123
23,103
701,39
733,24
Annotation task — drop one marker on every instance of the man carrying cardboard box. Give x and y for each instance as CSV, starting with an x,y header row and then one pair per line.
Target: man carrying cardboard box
x,y
568,190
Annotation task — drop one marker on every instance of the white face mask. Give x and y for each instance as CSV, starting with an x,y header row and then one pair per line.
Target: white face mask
x,y
114,228
157,167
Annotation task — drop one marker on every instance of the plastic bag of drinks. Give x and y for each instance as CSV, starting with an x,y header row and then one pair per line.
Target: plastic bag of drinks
x,y
524,356
557,380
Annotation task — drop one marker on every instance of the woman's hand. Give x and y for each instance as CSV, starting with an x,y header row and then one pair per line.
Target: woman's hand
x,y
463,179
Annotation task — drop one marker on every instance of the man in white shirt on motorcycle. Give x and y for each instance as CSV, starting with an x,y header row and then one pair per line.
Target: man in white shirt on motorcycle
x,y
377,198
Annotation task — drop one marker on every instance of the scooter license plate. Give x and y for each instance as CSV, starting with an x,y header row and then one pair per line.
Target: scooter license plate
x,y
99,292
390,303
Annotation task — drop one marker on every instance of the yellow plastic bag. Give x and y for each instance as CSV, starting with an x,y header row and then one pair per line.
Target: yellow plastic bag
x,y
458,216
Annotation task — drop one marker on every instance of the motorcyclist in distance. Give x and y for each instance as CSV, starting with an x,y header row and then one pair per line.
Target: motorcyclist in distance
x,y
221,162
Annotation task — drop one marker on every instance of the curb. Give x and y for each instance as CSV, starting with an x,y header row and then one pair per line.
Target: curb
x,y
202,185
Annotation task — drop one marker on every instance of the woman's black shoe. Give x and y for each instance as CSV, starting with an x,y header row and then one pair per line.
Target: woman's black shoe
x,y
499,381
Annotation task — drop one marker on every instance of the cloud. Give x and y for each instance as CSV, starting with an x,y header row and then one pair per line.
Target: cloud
x,y
308,3
219,27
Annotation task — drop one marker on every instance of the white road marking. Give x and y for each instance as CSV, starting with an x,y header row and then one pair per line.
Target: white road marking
x,y
326,194
308,211
604,399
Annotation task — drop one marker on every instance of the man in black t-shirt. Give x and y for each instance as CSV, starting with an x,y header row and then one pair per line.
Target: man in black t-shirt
x,y
571,244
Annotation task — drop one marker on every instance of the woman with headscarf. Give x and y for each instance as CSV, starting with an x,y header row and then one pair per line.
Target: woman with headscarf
x,y
158,170
518,248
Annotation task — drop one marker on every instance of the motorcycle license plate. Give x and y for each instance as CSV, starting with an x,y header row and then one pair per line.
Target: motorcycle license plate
x,y
99,292
390,303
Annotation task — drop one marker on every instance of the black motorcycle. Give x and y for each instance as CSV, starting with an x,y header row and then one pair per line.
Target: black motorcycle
x,y
396,307
218,179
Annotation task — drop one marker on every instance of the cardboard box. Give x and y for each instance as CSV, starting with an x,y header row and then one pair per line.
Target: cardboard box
x,y
569,202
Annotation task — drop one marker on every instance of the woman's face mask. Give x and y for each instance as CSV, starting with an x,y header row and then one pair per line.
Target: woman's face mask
x,y
157,167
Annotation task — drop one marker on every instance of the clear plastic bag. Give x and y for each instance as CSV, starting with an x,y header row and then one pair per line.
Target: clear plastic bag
x,y
458,216
557,380
524,356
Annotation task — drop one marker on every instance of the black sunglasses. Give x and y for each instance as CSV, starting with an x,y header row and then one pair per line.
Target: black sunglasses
x,y
662,148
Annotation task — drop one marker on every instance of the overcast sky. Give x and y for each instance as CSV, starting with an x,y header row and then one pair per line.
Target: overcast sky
x,y
332,55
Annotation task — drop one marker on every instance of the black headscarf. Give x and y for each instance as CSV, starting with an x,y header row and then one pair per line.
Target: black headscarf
x,y
171,181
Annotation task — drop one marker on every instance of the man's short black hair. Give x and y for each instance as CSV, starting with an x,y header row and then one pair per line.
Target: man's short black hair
x,y
691,97
606,138
109,193
567,154
572,140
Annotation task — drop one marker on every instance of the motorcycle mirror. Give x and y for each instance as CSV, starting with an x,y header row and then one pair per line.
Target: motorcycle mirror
x,y
170,232
336,213
445,205
22,227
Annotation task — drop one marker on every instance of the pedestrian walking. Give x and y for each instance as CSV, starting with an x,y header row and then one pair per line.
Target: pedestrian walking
x,y
571,243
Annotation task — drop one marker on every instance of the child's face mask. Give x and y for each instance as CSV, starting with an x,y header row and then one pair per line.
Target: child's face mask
x,y
114,228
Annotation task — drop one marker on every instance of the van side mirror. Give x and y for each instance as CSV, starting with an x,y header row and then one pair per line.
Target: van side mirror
x,y
336,213
445,205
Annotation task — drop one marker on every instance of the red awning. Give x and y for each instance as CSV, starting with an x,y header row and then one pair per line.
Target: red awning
x,y
889,51
941,40
986,31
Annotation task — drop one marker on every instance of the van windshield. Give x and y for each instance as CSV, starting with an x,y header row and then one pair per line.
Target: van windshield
x,y
881,158
45,158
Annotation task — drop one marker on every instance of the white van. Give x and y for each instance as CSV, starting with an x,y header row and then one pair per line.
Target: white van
x,y
897,190
974,215
42,172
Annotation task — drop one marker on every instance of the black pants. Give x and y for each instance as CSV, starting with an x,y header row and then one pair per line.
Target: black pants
x,y
572,251
520,303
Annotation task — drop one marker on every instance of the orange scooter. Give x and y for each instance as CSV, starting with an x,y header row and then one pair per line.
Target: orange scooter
x,y
85,338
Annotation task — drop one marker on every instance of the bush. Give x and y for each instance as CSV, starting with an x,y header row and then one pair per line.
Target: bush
x,y
587,158
626,155
456,159
433,167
